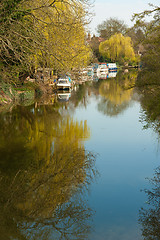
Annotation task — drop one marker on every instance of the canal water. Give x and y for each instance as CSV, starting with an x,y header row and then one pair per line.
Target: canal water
x,y
75,165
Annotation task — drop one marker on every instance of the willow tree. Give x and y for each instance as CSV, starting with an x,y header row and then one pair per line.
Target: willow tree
x,y
117,48
42,33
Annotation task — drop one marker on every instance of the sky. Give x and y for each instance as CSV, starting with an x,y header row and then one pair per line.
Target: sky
x,y
120,9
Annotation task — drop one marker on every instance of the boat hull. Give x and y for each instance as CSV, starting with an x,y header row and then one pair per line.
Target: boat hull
x,y
63,84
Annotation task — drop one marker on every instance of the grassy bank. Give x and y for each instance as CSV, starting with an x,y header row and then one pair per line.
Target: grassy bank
x,y
17,94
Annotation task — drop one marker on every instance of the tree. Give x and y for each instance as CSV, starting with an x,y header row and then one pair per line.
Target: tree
x,y
150,74
42,33
110,27
65,34
94,44
137,34
150,57
117,48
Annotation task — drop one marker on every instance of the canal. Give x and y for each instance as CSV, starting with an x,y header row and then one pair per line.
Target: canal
x,y
75,166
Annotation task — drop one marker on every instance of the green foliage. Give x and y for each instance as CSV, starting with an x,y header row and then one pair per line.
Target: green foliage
x,y
8,8
42,34
150,73
18,93
151,56
118,48
148,79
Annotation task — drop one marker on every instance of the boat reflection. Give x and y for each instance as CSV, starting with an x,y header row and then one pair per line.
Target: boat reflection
x,y
63,96
92,73
104,75
112,74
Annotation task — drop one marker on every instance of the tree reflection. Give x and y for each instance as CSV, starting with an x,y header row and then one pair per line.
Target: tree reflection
x,y
71,220
41,190
80,96
110,109
150,217
23,133
150,102
117,93
48,203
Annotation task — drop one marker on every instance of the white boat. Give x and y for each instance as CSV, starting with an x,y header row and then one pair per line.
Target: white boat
x,y
112,74
64,97
88,70
102,75
63,84
102,68
112,66
84,71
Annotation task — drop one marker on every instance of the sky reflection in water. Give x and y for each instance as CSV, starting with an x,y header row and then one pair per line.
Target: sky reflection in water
x,y
127,155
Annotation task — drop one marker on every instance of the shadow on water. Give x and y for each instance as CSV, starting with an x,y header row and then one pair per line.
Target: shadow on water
x,y
45,173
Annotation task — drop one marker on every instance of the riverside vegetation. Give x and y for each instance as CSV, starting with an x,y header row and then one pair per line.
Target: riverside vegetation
x,y
52,34
44,190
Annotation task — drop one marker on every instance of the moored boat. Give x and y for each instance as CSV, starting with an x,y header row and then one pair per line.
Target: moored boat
x,y
63,84
112,66
102,68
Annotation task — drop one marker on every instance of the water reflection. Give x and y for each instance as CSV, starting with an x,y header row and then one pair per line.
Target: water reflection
x,y
149,217
117,93
63,96
44,169
105,75
112,74
91,73
150,102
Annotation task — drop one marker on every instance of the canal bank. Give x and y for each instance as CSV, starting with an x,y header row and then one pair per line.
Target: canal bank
x,y
27,92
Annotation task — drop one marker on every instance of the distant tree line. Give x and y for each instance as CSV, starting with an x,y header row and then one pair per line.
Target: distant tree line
x,y
123,44
117,42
